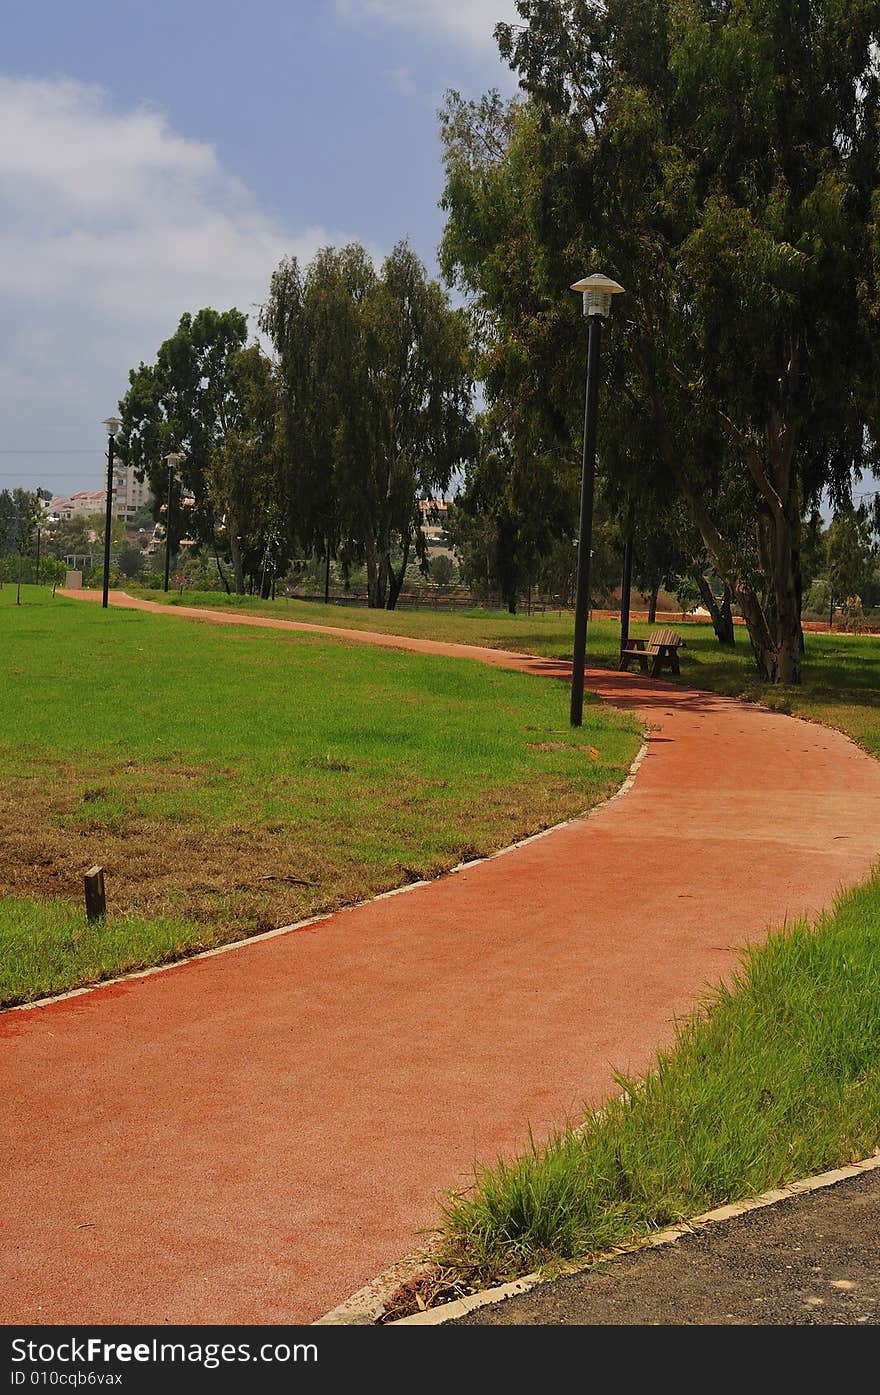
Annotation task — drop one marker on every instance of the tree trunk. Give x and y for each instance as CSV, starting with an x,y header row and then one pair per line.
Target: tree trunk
x,y
758,631
395,579
799,585
220,572
382,574
728,629
789,635
652,604
372,571
720,614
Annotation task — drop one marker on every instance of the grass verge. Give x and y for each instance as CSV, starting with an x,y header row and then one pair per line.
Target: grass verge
x,y
49,946
777,1076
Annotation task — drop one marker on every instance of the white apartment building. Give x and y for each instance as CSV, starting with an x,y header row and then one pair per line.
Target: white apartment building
x,y
130,495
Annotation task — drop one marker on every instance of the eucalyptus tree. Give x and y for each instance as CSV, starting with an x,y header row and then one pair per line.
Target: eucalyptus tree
x,y
186,403
315,321
243,472
376,376
720,159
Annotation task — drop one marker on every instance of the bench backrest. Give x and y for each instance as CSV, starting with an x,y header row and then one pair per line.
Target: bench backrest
x,y
659,637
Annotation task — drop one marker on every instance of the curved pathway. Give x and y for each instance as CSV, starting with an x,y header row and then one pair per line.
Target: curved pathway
x,y
251,1136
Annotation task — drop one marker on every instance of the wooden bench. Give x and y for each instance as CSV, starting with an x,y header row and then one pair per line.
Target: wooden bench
x,y
658,652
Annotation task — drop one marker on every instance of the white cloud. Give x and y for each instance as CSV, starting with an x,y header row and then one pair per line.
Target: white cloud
x,y
113,225
118,210
469,23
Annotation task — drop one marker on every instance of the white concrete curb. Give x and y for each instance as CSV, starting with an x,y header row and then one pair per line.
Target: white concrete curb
x,y
367,1305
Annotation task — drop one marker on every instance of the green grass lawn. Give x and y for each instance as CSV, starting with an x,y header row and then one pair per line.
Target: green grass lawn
x,y
841,680
232,780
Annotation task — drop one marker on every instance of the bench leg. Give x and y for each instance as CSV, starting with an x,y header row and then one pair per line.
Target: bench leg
x,y
664,661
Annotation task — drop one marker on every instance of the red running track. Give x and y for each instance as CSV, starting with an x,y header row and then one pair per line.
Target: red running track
x,y
252,1136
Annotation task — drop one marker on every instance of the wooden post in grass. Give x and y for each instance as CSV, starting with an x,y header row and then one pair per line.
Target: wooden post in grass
x,y
96,901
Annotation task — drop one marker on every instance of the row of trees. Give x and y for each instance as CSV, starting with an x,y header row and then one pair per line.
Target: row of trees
x,y
364,410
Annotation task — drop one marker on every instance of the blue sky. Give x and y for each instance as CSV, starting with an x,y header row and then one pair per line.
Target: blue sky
x,y
154,159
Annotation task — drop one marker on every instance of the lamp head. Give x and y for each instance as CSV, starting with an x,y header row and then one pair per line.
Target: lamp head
x,y
112,424
597,292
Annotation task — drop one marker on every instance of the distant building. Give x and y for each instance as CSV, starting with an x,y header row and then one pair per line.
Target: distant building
x,y
130,495
80,505
434,513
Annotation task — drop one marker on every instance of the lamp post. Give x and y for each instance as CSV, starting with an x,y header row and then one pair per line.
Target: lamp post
x,y
626,584
172,460
112,424
597,292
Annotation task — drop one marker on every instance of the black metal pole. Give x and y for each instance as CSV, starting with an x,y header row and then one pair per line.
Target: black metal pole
x,y
582,601
626,585
327,576
168,526
38,555
108,518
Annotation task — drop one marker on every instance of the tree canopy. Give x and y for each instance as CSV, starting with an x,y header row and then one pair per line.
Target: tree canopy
x,y
186,403
376,382
721,161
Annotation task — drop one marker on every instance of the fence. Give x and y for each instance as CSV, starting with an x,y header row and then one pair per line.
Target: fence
x,y
437,598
